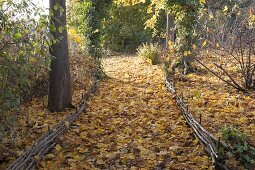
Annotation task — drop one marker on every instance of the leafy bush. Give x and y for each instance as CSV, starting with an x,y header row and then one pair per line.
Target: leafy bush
x,y
150,52
241,148
23,49
24,58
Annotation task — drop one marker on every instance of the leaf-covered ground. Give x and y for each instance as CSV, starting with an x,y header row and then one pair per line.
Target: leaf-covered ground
x,y
131,123
34,119
219,105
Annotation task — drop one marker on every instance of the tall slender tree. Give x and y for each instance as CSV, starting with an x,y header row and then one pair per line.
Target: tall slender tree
x,y
60,80
169,28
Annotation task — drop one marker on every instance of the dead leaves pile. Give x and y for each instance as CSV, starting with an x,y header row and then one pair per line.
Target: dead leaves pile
x,y
131,123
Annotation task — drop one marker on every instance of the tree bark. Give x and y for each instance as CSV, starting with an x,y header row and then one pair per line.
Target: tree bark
x,y
60,96
169,29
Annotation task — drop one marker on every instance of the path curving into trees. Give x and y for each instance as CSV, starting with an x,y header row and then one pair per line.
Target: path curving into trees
x,y
131,122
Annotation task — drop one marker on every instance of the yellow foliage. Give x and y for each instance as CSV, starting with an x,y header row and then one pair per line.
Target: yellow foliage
x,y
74,35
194,46
186,53
204,43
171,46
218,104
211,16
225,9
34,119
202,1
149,10
72,31
251,21
32,60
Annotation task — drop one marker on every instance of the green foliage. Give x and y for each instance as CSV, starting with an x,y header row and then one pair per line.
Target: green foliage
x,y
77,21
182,2
185,15
237,140
123,30
159,29
185,19
23,51
150,52
88,17
184,26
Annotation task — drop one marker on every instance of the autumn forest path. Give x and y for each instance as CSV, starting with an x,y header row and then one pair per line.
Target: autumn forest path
x,y
131,123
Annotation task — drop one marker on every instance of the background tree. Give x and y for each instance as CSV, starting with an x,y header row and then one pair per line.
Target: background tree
x,y
226,32
60,80
170,34
184,13
123,29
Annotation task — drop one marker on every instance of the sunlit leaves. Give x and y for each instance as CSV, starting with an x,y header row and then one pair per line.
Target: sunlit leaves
x,y
34,119
204,43
194,46
75,37
24,41
129,2
219,108
32,60
225,9
202,1
186,53
131,123
251,17
17,35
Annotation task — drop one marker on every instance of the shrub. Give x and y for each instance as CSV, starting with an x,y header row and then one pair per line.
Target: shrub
x,y
150,52
226,36
242,149
24,59
23,49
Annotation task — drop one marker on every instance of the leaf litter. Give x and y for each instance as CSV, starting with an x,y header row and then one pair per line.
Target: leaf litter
x,y
131,123
218,106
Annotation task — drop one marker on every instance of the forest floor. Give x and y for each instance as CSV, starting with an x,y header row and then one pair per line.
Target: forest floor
x,y
131,123
218,104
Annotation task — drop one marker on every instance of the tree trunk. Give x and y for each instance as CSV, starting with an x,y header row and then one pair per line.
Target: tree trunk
x,y
60,96
169,29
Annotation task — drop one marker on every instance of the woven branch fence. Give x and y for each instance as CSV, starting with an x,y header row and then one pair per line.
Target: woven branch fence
x,y
210,143
47,141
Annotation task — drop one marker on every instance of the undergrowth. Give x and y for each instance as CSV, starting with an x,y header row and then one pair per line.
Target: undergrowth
x,y
241,149
149,52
